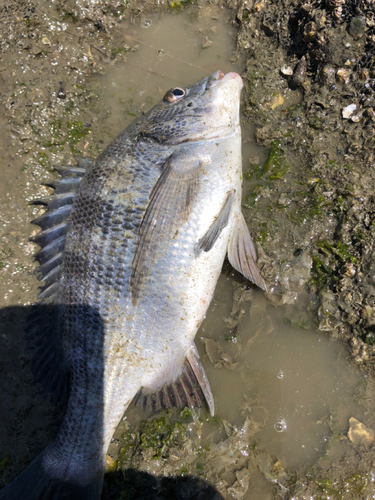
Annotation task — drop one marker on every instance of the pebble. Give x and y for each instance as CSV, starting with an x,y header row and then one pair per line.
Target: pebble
x,y
343,75
276,100
287,70
348,111
206,42
299,73
359,433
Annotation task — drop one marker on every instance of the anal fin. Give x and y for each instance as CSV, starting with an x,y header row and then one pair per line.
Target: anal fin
x,y
201,377
191,388
241,253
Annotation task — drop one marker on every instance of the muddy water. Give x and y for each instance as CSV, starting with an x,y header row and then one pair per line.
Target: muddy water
x,y
169,50
265,363
292,379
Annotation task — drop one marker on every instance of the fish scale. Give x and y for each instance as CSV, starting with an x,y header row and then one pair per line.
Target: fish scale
x,y
132,247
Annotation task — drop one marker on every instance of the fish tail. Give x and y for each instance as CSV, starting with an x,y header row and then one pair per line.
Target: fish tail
x,y
36,483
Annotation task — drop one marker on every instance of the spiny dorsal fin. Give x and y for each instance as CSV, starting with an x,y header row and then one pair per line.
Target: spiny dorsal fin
x,y
55,201
54,224
42,327
71,172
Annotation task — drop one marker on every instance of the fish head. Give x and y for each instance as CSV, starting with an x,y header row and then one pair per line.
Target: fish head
x,y
208,109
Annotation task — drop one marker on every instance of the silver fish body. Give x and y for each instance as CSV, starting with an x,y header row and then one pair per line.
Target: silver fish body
x,y
152,220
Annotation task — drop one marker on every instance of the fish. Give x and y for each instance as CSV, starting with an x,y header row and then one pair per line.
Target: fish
x,y
132,245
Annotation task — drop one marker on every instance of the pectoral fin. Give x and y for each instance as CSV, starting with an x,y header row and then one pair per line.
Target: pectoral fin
x,y
168,209
221,221
190,388
241,253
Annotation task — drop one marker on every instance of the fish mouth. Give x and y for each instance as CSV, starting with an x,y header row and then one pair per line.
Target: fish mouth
x,y
219,78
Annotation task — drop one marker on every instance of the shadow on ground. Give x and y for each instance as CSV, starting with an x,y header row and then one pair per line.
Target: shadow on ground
x,y
29,422
137,485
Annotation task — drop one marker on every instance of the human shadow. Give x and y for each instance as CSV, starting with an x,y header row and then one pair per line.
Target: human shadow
x,y
31,348
139,485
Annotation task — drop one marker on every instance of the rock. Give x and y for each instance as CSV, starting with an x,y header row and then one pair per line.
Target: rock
x,y
206,42
287,70
299,73
348,111
327,75
343,75
275,100
359,434
110,464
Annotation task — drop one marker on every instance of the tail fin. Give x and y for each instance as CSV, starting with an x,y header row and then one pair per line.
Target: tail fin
x,y
35,483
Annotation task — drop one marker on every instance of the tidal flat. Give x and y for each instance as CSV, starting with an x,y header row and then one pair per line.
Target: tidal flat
x,y
292,370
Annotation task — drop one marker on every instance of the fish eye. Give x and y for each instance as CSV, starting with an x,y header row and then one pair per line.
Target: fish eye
x,y
174,95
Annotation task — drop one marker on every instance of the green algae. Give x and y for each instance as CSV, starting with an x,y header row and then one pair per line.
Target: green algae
x,y
301,323
130,442
343,251
232,335
351,487
311,203
356,483
316,123
369,337
274,168
276,163
154,436
177,5
328,265
263,232
43,159
185,413
294,111
76,132
254,80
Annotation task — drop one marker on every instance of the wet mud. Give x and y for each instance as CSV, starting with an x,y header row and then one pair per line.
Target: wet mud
x,y
292,371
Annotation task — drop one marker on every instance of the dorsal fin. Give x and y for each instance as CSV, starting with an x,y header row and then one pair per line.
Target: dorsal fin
x,y
54,224
42,327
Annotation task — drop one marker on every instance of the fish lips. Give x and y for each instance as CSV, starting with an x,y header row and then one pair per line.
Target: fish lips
x,y
219,78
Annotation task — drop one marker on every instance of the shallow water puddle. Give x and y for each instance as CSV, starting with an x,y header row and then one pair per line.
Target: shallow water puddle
x,y
167,51
292,380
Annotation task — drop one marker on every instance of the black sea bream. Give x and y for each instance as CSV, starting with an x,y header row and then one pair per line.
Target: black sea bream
x,y
132,247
